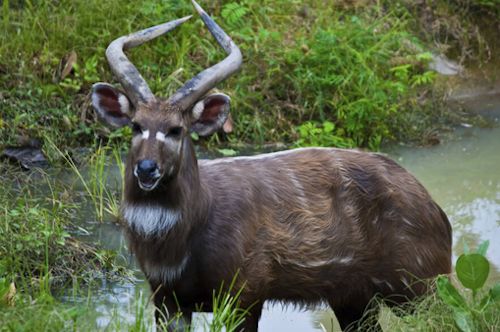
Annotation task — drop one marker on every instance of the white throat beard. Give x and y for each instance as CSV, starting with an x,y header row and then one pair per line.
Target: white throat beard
x,y
150,220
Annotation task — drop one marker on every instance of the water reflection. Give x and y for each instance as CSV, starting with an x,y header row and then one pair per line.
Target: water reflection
x,y
463,176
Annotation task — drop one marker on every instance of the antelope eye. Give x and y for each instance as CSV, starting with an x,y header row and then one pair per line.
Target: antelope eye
x,y
136,128
175,131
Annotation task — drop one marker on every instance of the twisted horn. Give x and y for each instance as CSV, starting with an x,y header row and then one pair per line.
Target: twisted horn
x,y
208,78
129,77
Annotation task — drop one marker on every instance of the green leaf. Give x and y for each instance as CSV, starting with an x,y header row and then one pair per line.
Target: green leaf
x,y
425,56
233,13
195,136
483,248
227,152
492,297
485,301
464,320
495,292
461,314
449,294
328,126
472,270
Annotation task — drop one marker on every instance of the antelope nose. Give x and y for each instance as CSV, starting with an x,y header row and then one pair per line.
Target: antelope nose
x,y
146,168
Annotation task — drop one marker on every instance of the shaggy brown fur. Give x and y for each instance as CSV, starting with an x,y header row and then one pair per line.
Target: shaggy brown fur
x,y
305,226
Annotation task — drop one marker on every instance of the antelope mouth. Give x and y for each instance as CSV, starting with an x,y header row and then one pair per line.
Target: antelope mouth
x,y
148,184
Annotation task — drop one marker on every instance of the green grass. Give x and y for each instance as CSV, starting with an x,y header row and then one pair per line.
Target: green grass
x,y
462,302
33,236
97,178
433,314
361,68
227,316
39,256
39,216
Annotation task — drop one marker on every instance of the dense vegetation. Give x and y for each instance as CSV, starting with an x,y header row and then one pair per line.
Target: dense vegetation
x,y
335,73
345,73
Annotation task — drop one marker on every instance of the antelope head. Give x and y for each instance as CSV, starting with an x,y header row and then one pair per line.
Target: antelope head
x,y
161,126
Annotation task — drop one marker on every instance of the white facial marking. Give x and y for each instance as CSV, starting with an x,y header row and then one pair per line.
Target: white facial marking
x,y
135,171
150,220
166,273
145,134
160,136
124,104
157,173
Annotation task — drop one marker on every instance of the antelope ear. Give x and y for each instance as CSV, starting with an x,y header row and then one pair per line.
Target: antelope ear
x,y
209,114
111,104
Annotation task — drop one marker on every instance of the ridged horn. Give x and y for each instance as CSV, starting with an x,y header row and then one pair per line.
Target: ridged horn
x,y
129,77
199,85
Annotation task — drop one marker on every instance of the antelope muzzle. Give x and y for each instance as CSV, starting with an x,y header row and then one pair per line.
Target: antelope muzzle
x,y
147,173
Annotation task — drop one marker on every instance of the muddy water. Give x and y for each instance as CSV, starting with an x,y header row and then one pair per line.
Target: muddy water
x,y
463,176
